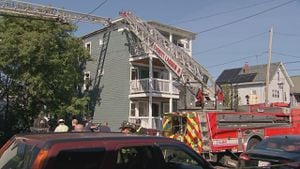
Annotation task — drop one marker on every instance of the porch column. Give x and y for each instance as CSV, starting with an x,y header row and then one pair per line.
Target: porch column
x,y
171,37
171,92
150,90
190,47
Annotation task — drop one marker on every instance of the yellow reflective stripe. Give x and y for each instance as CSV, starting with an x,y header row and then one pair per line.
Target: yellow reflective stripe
x,y
190,130
166,121
188,139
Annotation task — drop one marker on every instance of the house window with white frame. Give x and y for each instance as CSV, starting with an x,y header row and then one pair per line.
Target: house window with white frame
x,y
88,46
275,93
143,109
165,108
285,98
100,42
253,92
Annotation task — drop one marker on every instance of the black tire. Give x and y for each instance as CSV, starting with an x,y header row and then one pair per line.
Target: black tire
x,y
252,142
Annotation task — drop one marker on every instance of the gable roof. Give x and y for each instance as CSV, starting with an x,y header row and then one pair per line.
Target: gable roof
x,y
296,81
256,73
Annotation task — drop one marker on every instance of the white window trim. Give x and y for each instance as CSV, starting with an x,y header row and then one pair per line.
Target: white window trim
x,y
100,42
86,45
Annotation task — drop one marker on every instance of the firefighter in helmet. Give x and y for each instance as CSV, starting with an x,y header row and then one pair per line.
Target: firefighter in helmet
x,y
127,127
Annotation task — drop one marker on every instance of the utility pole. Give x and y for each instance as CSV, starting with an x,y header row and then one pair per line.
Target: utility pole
x,y
268,67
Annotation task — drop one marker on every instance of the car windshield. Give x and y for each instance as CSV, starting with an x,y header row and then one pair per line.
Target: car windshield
x,y
280,144
18,155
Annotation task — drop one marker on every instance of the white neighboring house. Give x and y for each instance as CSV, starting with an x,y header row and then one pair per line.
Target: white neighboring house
x,y
250,81
296,89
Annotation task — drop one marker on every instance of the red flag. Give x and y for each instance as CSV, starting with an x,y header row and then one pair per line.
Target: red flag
x,y
199,96
219,94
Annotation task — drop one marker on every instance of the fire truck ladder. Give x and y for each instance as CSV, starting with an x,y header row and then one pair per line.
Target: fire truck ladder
x,y
10,7
176,59
205,133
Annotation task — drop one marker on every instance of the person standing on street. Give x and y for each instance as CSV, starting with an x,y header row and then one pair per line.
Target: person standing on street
x,y
105,127
61,126
74,123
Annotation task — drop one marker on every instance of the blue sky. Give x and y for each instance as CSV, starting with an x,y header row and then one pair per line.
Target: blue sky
x,y
244,41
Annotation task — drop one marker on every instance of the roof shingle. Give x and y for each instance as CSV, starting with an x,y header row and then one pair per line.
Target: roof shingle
x,y
255,73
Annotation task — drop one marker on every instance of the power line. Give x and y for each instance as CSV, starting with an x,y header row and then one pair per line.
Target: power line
x,y
291,62
287,34
247,17
284,54
229,44
236,60
292,70
220,13
92,11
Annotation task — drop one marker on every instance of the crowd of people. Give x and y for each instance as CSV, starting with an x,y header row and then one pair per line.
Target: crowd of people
x,y
75,124
44,124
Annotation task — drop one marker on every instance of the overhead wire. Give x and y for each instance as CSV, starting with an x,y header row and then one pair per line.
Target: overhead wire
x,y
291,62
287,34
92,11
247,17
236,60
231,43
293,70
284,54
221,13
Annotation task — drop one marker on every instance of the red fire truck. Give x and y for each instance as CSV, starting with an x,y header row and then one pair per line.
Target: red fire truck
x,y
221,135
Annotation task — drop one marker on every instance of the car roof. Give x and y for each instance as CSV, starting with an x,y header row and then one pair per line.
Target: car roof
x,y
285,137
41,139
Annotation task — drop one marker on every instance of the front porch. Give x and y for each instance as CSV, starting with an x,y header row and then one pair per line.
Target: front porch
x,y
151,111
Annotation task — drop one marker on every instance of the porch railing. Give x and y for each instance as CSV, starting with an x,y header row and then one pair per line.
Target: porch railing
x,y
159,86
156,122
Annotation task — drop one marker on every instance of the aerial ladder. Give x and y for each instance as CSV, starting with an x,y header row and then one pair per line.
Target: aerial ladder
x,y
9,7
185,67
175,58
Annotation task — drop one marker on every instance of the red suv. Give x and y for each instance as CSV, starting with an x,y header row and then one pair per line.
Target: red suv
x,y
97,151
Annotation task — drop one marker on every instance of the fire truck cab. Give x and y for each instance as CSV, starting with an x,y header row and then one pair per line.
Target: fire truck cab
x,y
221,135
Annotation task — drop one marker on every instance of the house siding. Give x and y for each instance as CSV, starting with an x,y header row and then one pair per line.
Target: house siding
x,y
284,92
260,90
114,106
248,90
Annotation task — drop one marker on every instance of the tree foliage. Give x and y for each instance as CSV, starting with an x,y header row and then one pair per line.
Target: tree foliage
x,y
231,98
227,95
41,64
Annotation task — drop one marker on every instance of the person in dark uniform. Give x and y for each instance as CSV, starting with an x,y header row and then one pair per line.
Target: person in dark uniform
x,y
139,128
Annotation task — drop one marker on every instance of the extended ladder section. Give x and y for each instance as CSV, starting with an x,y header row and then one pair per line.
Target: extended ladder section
x,y
252,120
40,11
205,133
177,60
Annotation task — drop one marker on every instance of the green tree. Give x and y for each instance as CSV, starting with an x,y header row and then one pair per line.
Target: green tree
x,y
231,98
41,64
227,95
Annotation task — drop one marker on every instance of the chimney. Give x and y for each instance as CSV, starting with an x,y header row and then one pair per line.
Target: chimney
x,y
246,68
